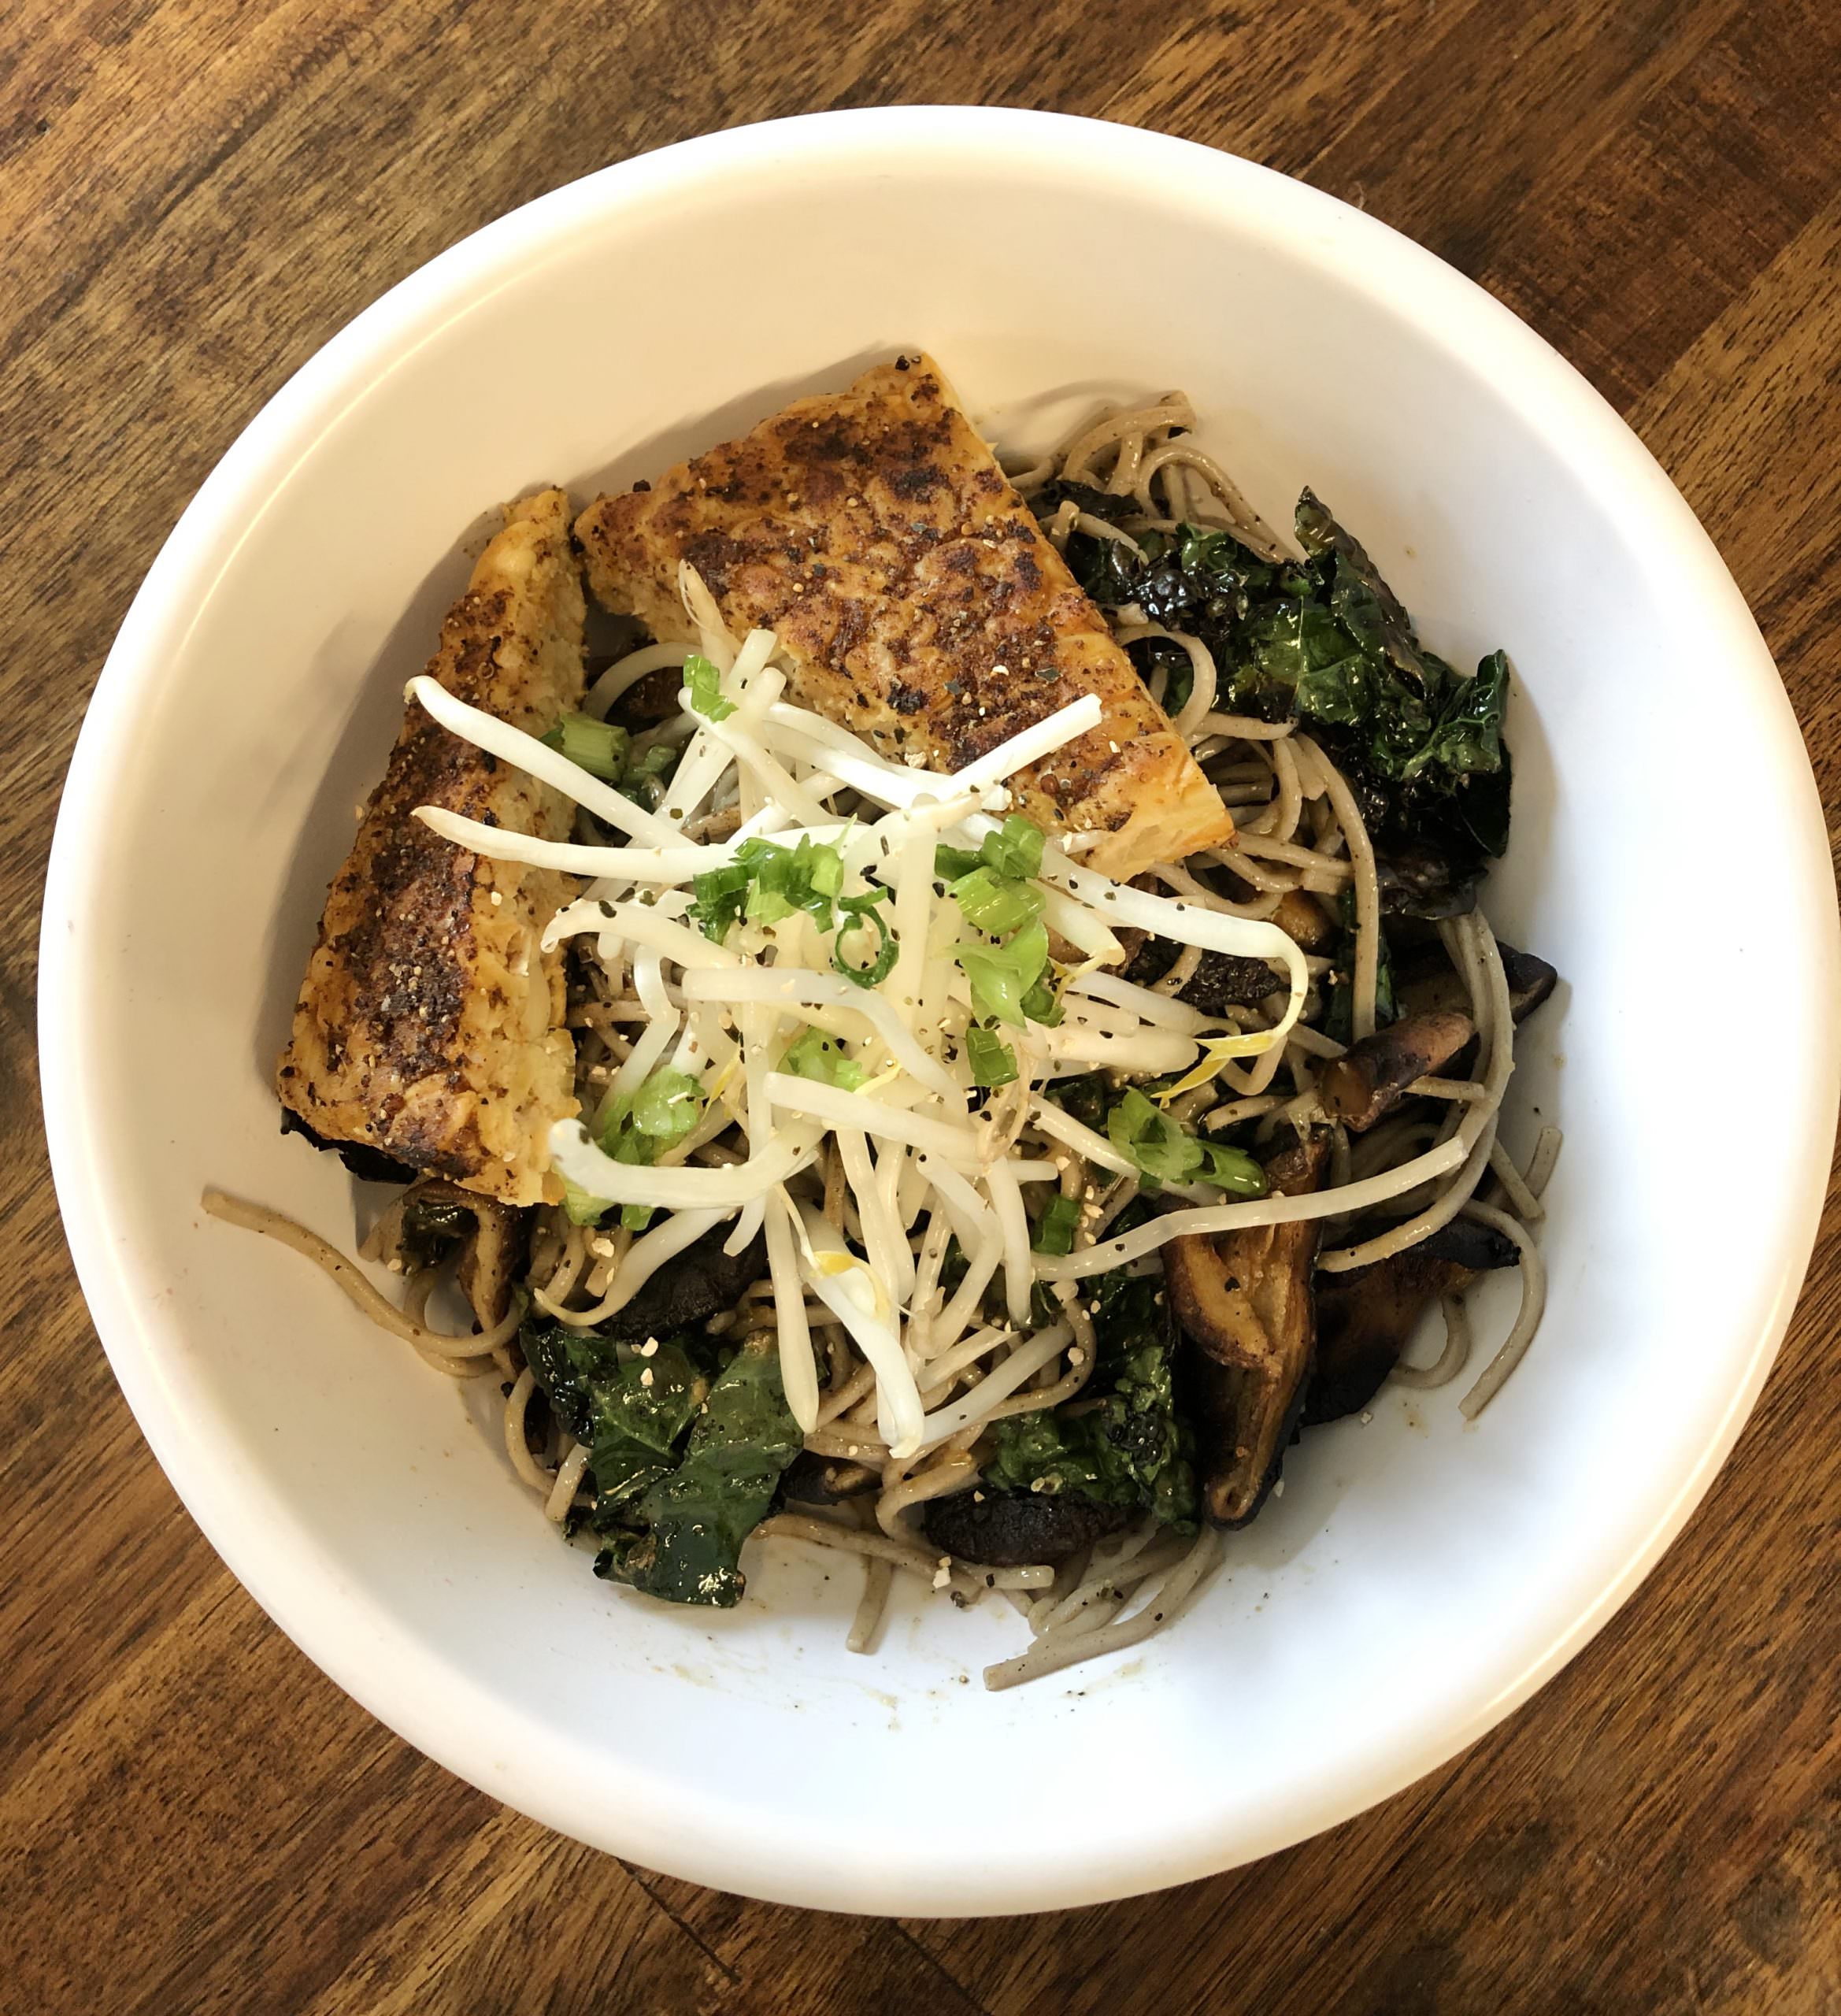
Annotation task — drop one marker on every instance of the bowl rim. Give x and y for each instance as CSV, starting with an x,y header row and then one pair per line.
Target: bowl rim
x,y
432,1705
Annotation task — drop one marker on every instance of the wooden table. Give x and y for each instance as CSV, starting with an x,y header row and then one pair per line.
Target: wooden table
x,y
196,195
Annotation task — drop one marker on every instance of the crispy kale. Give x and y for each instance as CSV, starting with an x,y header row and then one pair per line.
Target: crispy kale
x,y
683,1465
1086,1095
1121,1442
681,1539
1325,641
1104,568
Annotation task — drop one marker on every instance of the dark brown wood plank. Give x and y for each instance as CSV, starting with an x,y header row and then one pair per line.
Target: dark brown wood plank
x,y
1715,171
194,199
520,1919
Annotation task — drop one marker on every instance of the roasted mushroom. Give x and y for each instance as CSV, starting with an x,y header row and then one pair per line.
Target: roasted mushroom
x,y
432,1216
1371,1077
810,1479
648,700
1017,1529
1364,1316
1422,881
1243,1301
1429,984
1531,980
700,1281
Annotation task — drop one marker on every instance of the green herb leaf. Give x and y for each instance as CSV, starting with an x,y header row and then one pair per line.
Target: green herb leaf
x,y
566,1363
634,1217
668,1104
1055,1230
814,1054
580,1208
1233,1169
766,882
995,903
682,1469
1042,1004
1179,672
1466,740
805,877
992,1060
636,1125
1014,849
1002,975
1013,852
1105,568
1163,1151
719,898
598,747
703,682
858,911
1168,1153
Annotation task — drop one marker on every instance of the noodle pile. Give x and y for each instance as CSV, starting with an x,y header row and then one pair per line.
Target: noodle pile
x,y
861,1191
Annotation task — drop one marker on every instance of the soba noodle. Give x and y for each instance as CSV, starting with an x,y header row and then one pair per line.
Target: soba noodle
x,y
896,1373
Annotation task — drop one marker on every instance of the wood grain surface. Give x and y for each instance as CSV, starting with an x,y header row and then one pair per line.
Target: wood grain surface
x,y
196,195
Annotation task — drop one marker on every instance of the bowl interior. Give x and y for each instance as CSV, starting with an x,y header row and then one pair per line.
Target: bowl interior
x,y
1417,1576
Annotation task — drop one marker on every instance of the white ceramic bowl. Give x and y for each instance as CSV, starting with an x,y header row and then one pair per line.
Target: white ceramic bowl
x,y
1418,1578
